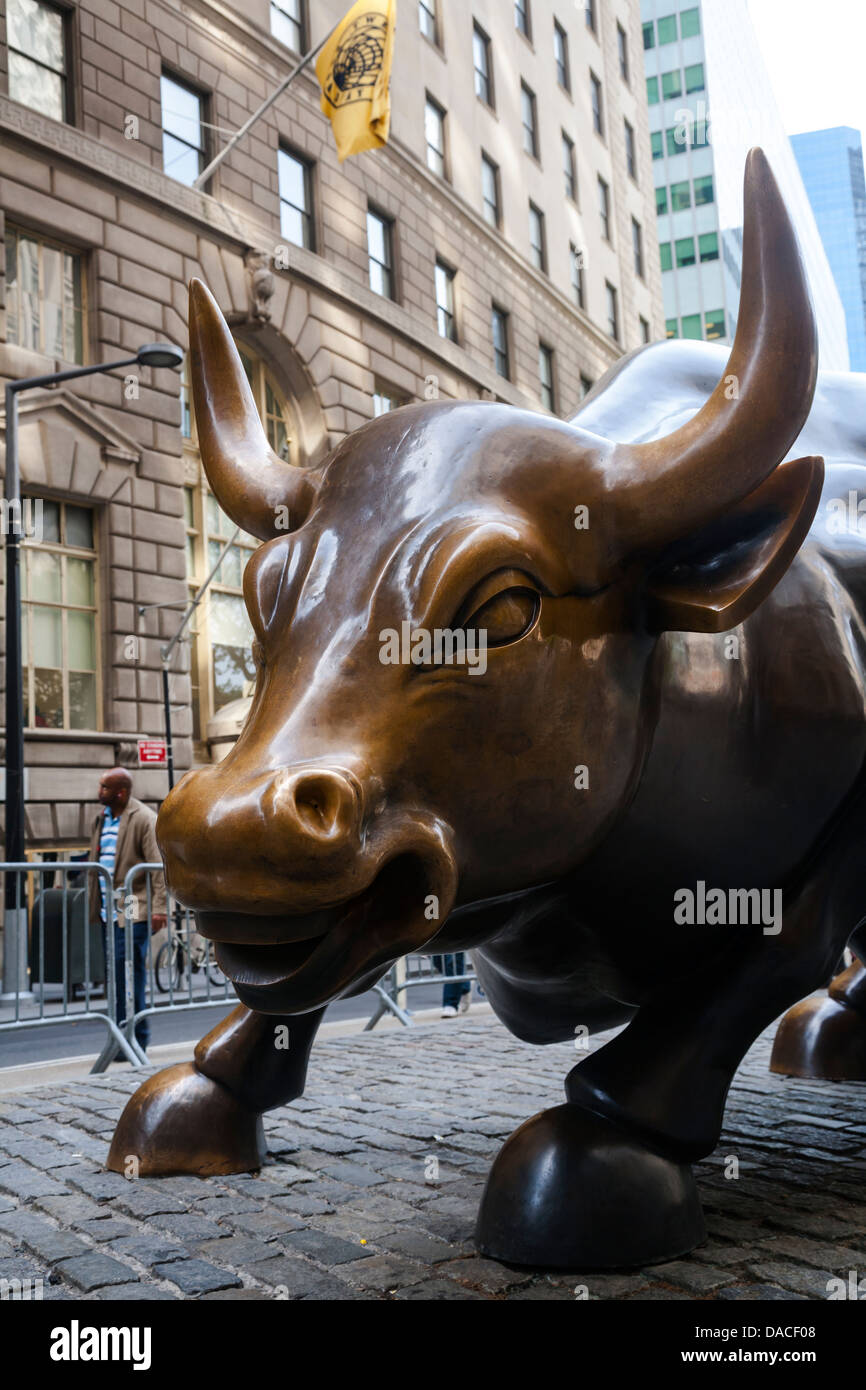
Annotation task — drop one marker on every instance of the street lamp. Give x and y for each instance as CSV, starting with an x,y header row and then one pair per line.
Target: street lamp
x,y
15,920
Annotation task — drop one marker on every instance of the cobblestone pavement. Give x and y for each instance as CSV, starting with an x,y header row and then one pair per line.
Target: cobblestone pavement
x,y
349,1206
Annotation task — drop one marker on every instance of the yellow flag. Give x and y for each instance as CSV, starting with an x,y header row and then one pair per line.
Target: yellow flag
x,y
354,72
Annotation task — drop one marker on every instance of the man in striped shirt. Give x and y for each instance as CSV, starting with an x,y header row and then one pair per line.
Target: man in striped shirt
x,y
123,835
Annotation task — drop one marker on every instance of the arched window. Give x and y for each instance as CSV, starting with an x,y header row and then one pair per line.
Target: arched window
x,y
222,667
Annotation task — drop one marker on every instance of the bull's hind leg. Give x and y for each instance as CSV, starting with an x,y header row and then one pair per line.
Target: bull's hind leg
x,y
825,1039
204,1116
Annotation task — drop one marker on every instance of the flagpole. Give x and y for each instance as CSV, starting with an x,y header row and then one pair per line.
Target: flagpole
x,y
269,101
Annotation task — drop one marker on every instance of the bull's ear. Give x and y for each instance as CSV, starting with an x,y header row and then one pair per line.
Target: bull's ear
x,y
720,576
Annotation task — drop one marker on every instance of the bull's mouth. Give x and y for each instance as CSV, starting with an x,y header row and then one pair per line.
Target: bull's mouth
x,y
337,951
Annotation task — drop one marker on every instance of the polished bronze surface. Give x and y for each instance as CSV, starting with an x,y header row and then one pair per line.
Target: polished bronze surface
x,y
671,699
825,1038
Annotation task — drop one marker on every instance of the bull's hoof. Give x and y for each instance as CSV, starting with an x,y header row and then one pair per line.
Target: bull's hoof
x,y
569,1190
180,1121
823,1039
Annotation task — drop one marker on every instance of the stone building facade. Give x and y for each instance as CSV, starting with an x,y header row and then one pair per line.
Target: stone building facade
x,y
458,260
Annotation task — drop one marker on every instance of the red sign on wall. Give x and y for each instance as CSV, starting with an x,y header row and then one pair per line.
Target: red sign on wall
x,y
152,750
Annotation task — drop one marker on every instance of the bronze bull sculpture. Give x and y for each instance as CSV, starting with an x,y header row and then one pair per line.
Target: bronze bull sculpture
x,y
668,731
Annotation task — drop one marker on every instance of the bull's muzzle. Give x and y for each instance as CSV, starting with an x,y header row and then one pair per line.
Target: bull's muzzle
x,y
307,896
284,841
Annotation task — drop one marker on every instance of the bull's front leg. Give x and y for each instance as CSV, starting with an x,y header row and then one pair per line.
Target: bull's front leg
x,y
604,1181
204,1116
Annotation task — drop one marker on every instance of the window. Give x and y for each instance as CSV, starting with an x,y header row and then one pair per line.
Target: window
x,y
569,167
577,281
585,386
183,140
652,91
522,18
667,29
545,376
186,414
657,144
385,399
296,203
444,280
649,38
703,190
44,296
690,23
590,15
226,670
694,76
434,130
560,53
714,324
672,84
380,253
427,20
529,119
612,311
622,50
708,246
604,208
270,405
675,139
630,151
637,247
36,35
681,196
595,95
700,133
537,250
287,23
481,59
490,190
670,328
59,621
690,325
661,200
665,259
644,327
499,331
685,251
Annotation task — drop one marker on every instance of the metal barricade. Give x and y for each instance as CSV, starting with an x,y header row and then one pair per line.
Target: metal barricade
x,y
180,974
181,956
408,973
25,982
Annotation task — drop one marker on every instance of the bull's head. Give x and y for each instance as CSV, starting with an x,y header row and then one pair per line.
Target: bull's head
x,y
368,801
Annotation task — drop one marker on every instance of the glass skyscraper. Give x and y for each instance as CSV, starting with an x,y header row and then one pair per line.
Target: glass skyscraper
x,y
710,99
831,166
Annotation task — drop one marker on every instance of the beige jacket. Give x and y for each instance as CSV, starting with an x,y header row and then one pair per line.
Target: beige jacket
x,y
136,844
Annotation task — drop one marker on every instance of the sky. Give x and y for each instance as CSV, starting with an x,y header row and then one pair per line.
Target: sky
x,y
815,51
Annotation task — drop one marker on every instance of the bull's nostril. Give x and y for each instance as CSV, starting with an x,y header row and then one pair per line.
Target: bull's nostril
x,y
324,805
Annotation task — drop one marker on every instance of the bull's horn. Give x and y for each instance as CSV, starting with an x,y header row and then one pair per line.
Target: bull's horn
x,y
252,484
670,487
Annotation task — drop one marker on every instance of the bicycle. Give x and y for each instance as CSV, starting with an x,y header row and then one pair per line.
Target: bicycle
x,y
185,953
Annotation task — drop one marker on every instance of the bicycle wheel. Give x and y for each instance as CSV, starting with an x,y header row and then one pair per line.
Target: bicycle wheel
x,y
215,975
167,968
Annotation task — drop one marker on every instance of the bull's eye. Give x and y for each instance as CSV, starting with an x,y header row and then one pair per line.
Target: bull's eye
x,y
505,607
506,616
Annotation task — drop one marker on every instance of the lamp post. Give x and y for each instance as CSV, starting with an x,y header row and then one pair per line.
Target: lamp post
x,y
15,917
